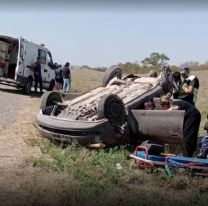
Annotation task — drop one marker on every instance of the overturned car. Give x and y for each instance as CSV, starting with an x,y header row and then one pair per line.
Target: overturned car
x,y
107,114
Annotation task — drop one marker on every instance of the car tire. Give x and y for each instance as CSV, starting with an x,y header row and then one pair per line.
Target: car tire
x,y
51,86
111,107
111,73
27,88
49,99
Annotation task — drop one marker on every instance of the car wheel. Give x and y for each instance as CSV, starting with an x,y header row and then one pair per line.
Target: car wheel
x,y
111,107
49,99
27,88
111,73
51,86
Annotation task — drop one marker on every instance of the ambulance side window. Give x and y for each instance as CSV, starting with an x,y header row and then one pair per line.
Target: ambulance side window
x,y
49,59
22,51
42,55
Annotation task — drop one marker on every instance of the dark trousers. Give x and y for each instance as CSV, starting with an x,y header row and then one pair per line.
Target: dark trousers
x,y
11,71
190,132
38,80
60,81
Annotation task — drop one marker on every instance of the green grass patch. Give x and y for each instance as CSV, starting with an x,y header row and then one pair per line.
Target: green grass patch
x,y
96,179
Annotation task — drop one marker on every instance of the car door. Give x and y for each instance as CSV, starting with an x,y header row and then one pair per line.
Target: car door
x,y
49,67
20,69
162,126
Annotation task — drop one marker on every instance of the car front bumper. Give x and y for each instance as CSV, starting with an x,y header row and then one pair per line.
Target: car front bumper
x,y
82,132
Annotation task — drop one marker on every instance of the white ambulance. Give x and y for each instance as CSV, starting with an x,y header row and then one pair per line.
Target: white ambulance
x,y
16,58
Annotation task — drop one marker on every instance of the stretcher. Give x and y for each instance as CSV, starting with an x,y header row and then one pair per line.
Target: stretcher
x,y
143,158
194,165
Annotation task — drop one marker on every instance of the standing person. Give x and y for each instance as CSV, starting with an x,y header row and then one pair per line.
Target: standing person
x,y
59,76
66,78
37,75
204,148
189,87
192,119
177,84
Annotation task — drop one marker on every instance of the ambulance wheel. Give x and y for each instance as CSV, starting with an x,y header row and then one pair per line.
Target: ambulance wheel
x,y
27,88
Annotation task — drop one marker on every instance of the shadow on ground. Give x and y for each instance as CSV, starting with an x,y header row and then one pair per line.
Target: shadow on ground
x,y
33,94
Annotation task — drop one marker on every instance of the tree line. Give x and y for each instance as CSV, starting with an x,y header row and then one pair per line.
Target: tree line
x,y
154,62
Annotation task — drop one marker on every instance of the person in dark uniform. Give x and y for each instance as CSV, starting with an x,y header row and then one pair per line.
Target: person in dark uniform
x,y
189,87
37,75
177,84
192,119
58,77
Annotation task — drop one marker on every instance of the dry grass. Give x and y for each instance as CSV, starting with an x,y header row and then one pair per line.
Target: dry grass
x,y
84,80
202,103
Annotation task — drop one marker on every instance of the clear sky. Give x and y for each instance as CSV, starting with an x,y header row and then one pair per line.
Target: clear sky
x,y
103,35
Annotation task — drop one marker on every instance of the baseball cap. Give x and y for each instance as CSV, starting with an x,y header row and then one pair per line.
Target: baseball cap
x,y
184,70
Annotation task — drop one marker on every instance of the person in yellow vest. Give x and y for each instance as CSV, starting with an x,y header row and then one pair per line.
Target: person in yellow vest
x,y
189,87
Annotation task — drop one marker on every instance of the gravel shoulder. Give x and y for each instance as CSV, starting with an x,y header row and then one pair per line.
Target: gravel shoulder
x,y
17,125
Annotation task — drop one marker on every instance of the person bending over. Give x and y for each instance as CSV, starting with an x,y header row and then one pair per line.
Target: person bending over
x,y
192,119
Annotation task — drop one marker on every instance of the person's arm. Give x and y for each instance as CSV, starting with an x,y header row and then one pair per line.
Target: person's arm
x,y
33,66
69,74
190,89
176,87
174,107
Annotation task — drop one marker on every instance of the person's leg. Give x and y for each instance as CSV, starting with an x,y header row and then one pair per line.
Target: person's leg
x,y
59,87
41,85
64,85
36,83
68,85
56,85
191,128
9,71
206,145
204,148
13,70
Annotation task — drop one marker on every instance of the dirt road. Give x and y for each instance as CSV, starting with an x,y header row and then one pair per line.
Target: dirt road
x,y
17,119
